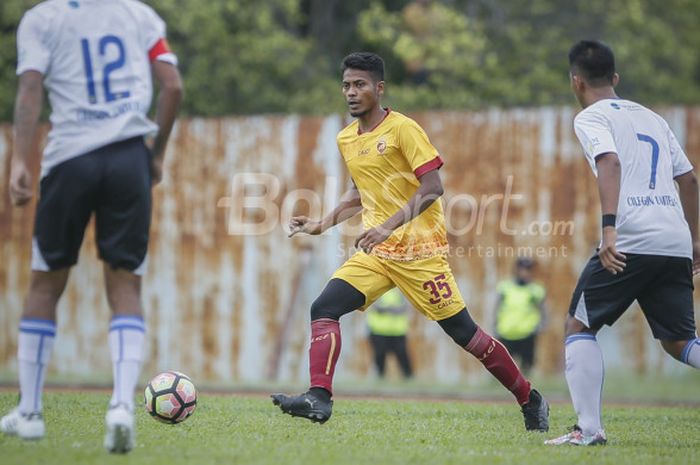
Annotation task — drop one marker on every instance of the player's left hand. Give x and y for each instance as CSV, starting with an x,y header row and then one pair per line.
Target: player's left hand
x,y
369,239
696,258
20,184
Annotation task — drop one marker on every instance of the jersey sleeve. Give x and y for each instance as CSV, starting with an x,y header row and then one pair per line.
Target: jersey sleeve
x,y
593,131
416,147
681,164
154,40
33,52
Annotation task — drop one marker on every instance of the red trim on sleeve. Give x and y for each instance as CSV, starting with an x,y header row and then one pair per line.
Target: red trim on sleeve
x,y
433,164
160,48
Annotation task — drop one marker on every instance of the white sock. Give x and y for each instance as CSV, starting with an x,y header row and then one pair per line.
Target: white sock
x,y
584,375
33,353
126,337
691,353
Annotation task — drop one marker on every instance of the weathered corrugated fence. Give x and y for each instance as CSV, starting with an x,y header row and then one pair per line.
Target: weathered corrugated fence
x,y
224,283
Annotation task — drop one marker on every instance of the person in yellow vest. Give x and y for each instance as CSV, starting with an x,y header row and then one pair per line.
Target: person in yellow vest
x,y
520,312
387,320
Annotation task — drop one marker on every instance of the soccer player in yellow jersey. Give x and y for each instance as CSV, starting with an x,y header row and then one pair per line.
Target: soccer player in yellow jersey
x,y
396,183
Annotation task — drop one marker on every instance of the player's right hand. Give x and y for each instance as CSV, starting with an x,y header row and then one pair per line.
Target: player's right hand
x,y
302,224
20,184
611,259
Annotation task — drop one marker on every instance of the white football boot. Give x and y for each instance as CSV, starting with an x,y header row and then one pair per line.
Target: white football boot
x,y
25,426
120,436
575,437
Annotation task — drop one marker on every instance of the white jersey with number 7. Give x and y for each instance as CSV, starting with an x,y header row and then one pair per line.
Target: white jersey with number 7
x,y
650,218
95,56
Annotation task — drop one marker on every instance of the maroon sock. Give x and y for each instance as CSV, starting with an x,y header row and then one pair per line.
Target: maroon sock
x,y
498,361
324,352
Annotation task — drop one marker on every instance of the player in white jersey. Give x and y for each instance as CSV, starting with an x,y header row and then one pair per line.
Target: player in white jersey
x,y
96,59
649,249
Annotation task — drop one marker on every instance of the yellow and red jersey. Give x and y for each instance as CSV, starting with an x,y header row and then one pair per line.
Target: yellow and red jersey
x,y
385,164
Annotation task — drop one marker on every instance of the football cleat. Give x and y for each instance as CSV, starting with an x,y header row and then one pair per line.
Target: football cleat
x,y
305,405
28,426
536,412
575,437
119,438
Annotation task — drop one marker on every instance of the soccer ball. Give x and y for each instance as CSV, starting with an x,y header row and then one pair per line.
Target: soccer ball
x,y
170,397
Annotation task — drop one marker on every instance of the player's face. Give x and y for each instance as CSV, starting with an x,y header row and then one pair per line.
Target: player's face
x,y
361,91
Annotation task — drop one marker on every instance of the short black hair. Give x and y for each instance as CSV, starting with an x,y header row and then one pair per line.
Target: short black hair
x,y
594,61
365,61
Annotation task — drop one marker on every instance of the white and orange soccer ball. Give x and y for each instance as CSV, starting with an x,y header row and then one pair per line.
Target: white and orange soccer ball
x,y
170,397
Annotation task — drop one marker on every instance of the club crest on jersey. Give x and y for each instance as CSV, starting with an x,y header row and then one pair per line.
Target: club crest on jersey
x,y
381,145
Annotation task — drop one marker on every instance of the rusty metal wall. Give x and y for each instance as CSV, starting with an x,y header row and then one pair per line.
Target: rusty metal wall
x,y
516,182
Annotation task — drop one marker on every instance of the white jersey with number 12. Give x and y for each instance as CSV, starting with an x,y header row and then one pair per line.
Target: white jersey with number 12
x,y
95,56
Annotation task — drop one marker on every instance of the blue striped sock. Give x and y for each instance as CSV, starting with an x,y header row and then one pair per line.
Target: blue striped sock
x,y
126,341
34,348
585,375
691,353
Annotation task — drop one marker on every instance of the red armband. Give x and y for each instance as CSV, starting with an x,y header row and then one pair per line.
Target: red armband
x,y
160,48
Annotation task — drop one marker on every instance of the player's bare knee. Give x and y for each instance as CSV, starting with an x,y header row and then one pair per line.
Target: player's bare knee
x,y
574,326
45,289
50,283
674,348
123,290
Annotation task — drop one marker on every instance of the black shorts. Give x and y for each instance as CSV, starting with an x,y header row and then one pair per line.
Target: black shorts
x,y
663,286
114,183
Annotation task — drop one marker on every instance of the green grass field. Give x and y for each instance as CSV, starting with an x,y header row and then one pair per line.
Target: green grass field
x,y
230,429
